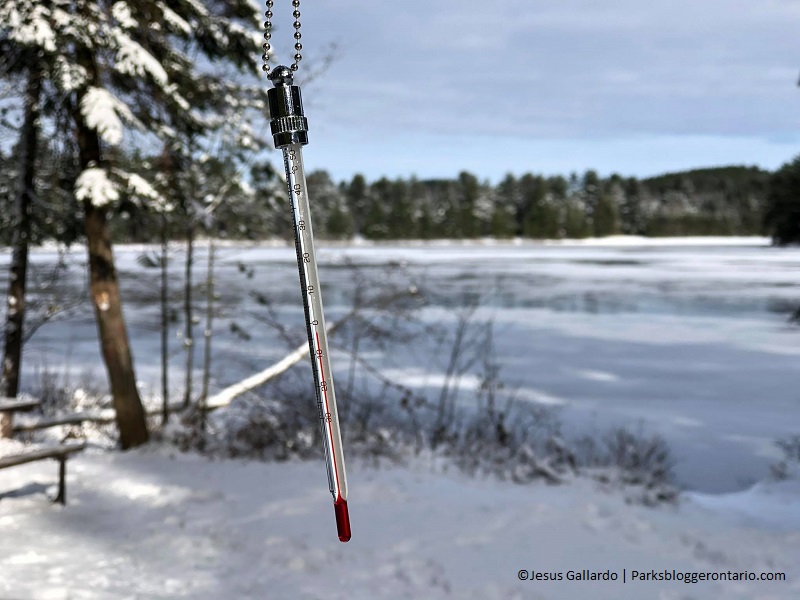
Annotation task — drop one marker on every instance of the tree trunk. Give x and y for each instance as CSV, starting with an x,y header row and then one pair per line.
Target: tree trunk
x,y
168,169
15,314
104,289
207,334
188,315
209,320
164,320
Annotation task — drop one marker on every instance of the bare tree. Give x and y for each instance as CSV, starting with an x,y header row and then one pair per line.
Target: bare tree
x,y
164,265
18,269
208,333
167,171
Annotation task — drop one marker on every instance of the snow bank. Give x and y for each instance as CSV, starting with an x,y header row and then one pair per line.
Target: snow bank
x,y
150,524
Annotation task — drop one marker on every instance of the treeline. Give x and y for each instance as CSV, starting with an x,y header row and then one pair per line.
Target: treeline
x,y
724,201
716,201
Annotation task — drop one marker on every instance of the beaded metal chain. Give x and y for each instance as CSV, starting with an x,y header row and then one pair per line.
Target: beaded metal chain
x,y
268,35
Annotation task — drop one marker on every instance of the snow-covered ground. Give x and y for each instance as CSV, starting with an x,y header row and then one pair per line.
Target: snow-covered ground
x,y
688,338
153,525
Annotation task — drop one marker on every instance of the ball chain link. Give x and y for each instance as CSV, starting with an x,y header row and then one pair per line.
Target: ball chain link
x,y
268,35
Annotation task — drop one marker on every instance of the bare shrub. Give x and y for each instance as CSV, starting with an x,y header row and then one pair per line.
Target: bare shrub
x,y
480,430
636,461
51,388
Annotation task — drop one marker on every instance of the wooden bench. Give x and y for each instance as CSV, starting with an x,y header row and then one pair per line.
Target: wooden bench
x,y
8,406
60,453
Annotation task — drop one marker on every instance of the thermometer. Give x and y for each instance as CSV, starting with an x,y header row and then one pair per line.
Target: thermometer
x,y
290,133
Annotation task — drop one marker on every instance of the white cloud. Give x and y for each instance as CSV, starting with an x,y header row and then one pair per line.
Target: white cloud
x,y
574,68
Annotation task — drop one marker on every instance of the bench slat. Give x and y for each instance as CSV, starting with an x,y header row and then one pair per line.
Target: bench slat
x,y
13,404
73,419
63,450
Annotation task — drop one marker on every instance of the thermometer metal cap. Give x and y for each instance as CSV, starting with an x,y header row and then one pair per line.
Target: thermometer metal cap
x,y
288,124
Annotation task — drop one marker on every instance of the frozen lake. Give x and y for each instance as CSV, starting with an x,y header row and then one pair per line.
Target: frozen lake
x,y
687,339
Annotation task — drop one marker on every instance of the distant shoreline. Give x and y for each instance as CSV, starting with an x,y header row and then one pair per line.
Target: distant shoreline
x,y
611,241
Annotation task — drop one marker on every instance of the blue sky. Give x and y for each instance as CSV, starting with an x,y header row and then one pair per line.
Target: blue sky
x,y
429,88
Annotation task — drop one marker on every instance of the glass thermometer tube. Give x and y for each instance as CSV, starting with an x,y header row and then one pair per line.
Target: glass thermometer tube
x,y
317,336
289,129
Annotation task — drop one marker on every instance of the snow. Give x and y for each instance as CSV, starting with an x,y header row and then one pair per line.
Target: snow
x,y
139,187
103,112
172,90
29,25
70,76
153,524
134,60
94,185
688,241
174,19
122,13
10,447
768,504
62,19
198,7
255,37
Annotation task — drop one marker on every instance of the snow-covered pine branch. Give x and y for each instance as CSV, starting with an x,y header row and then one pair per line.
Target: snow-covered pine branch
x,y
105,114
172,71
94,186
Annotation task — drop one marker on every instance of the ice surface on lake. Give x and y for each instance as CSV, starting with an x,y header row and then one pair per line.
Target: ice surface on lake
x,y
691,341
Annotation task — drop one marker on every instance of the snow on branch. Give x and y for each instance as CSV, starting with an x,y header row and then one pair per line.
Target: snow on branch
x,y
254,37
175,21
93,185
70,76
102,111
172,90
28,24
140,188
198,8
134,60
226,396
122,13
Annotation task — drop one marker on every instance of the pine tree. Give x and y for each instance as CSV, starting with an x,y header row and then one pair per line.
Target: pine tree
x,y
327,201
505,218
340,221
782,215
121,65
272,190
377,201
589,197
358,202
538,212
421,209
401,224
576,225
502,222
631,217
469,194
606,219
